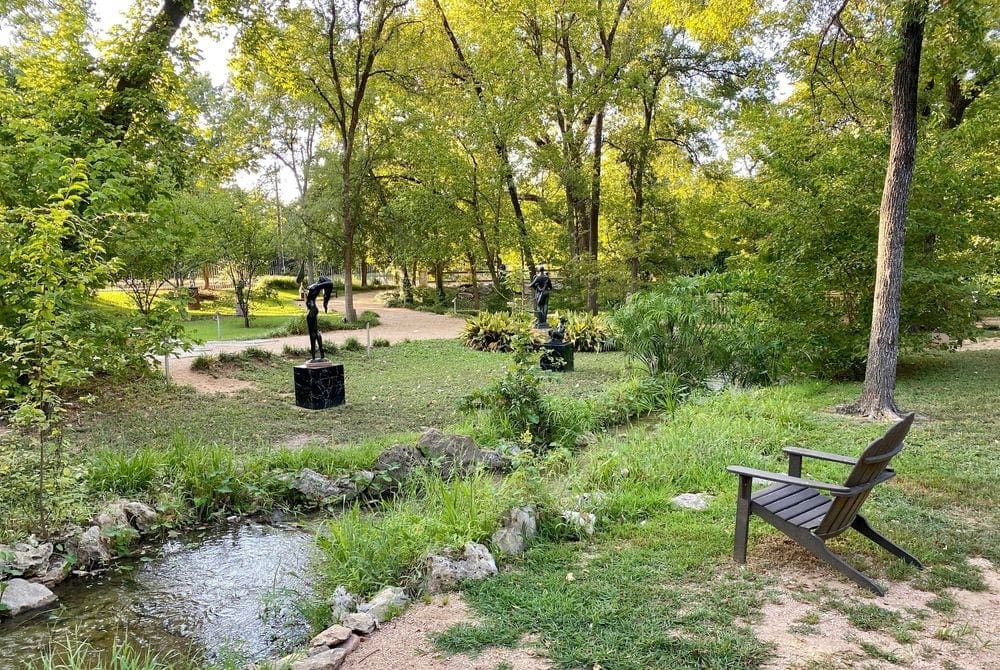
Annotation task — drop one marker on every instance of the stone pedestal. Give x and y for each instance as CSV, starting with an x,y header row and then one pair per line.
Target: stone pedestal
x,y
319,385
557,356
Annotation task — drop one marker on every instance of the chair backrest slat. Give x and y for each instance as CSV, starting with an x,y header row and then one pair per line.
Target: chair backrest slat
x,y
873,461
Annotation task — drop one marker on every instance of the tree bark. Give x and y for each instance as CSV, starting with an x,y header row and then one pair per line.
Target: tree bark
x,y
878,395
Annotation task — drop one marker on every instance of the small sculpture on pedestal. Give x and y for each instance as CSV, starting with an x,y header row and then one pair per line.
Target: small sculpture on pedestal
x,y
557,354
319,384
542,286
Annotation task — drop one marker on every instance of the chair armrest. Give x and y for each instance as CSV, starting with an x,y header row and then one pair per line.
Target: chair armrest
x,y
788,479
819,455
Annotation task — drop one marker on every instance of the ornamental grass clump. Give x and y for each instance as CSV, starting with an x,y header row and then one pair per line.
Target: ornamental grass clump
x,y
495,331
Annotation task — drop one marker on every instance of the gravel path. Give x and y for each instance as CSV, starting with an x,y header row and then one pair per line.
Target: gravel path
x,y
396,325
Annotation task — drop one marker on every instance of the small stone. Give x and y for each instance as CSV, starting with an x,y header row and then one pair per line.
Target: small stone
x,y
693,501
332,636
20,595
519,526
361,623
581,521
59,569
385,601
443,573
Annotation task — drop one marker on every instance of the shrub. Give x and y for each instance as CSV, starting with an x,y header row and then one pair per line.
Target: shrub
x,y
367,318
203,363
257,354
295,352
673,330
278,283
380,342
352,344
589,332
495,331
298,325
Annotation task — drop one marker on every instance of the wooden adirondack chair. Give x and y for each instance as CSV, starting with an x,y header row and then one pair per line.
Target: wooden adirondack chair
x,y
796,506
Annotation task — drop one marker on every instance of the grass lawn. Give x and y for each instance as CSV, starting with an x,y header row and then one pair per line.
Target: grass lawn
x,y
656,587
233,327
400,389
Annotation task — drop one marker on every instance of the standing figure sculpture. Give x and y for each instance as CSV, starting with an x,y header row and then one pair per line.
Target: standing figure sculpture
x,y
542,286
325,285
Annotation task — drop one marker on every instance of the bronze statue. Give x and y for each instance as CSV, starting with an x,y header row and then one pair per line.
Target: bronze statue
x,y
557,335
542,286
325,285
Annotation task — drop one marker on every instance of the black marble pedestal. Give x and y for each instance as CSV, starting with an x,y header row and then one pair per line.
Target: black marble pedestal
x,y
557,357
319,386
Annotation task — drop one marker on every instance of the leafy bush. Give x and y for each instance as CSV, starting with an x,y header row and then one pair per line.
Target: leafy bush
x,y
496,331
380,342
352,344
673,330
589,332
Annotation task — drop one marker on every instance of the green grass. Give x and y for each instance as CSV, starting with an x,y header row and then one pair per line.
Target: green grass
x,y
390,394
657,588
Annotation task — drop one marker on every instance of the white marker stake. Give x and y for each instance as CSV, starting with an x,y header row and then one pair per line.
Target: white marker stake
x,y
218,323
166,367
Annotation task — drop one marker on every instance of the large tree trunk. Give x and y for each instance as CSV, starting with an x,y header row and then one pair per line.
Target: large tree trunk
x,y
349,225
878,395
595,208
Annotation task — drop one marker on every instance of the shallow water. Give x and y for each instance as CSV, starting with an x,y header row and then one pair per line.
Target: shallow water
x,y
202,596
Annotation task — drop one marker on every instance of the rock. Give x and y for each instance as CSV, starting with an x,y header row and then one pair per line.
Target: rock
x,y
342,603
581,521
386,603
693,501
92,548
457,454
113,517
443,573
332,636
322,490
360,622
585,440
398,462
20,595
25,559
142,517
331,659
58,570
519,526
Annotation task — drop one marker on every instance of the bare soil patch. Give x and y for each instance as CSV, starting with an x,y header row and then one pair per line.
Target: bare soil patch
x,y
406,642
810,630
181,374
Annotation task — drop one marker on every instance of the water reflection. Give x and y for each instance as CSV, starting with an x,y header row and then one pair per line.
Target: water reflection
x,y
201,596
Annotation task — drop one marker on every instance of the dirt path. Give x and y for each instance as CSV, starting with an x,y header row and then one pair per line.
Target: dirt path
x,y
395,325
405,643
810,623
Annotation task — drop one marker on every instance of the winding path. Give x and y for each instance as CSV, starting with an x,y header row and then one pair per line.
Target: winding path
x,y
396,325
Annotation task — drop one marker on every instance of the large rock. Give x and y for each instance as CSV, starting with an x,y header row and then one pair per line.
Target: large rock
x,y
443,573
58,570
141,516
332,636
20,595
92,548
322,490
360,622
331,659
398,462
386,603
25,559
342,603
519,526
457,454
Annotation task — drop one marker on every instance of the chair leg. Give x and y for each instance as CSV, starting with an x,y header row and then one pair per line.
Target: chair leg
x,y
862,526
818,548
742,520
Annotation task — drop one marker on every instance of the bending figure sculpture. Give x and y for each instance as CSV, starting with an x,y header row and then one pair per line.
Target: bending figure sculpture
x,y
325,285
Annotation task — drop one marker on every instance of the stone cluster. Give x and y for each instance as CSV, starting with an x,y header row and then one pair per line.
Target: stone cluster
x,y
35,567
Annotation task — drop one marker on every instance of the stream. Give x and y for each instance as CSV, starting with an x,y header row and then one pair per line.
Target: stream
x,y
202,596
